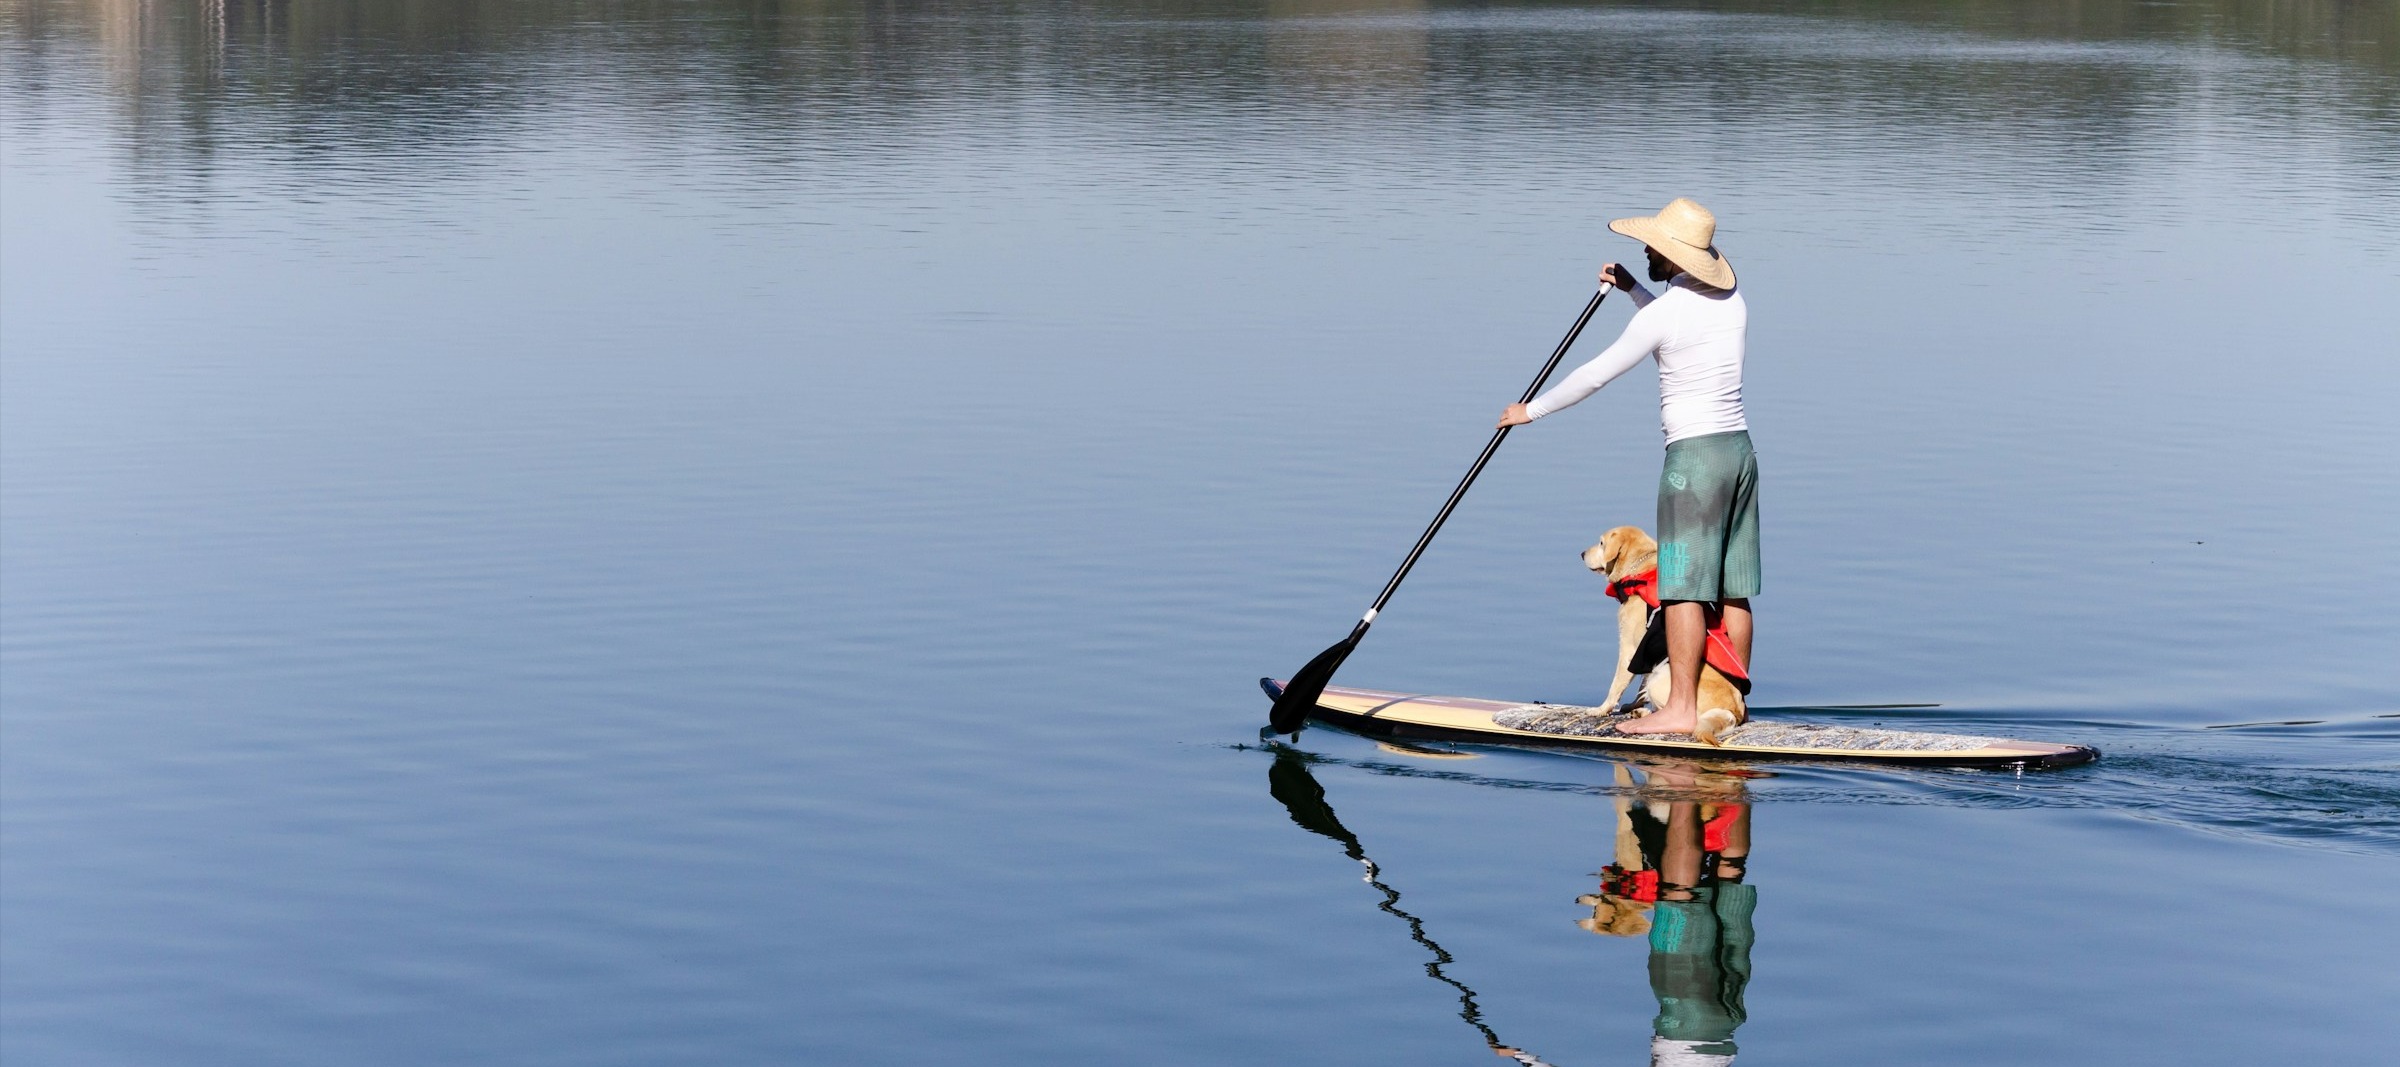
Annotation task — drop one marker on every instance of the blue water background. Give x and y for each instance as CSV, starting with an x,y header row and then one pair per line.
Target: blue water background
x,y
716,532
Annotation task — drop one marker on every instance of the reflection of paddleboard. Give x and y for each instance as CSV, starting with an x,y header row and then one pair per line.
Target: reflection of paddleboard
x,y
1437,718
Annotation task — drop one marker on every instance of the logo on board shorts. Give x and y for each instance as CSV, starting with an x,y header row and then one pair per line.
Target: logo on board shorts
x,y
1675,478
1674,562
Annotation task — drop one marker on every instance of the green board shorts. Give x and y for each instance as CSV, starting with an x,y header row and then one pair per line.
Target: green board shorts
x,y
1700,964
1708,519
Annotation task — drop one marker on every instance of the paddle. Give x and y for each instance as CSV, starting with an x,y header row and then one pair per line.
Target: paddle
x,y
1300,694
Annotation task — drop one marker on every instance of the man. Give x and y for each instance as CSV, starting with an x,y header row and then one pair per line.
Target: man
x,y
1708,493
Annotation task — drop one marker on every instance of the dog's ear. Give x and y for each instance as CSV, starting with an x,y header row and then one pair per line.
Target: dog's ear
x,y
1615,544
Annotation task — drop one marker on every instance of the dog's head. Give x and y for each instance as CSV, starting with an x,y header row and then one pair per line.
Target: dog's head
x,y
1622,551
1614,916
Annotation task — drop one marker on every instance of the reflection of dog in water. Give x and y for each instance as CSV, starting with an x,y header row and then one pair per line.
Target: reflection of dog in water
x,y
1654,855
1614,912
1629,558
1614,916
1681,853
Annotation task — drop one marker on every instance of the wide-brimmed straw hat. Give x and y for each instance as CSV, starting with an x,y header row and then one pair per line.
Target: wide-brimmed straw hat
x,y
1686,234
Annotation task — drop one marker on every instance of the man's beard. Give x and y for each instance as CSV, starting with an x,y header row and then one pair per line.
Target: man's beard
x,y
1663,269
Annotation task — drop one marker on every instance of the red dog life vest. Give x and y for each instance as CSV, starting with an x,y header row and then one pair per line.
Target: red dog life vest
x,y
1653,649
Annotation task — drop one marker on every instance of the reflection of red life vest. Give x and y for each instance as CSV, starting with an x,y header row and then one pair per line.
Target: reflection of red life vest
x,y
1642,885
1714,831
1720,652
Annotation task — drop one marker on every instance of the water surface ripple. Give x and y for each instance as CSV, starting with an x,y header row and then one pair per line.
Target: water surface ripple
x,y
589,532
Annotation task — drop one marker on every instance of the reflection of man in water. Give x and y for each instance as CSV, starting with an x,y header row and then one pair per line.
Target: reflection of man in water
x,y
1682,857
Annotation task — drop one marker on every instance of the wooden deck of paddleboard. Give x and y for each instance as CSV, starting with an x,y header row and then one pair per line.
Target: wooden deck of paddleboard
x,y
1441,718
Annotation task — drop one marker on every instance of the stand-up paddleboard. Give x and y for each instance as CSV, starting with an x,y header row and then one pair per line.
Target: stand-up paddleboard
x,y
1438,718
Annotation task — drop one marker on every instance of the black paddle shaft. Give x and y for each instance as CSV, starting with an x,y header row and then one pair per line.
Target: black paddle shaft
x,y
1300,695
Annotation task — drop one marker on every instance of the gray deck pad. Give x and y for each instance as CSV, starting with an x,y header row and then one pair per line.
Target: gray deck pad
x,y
1571,721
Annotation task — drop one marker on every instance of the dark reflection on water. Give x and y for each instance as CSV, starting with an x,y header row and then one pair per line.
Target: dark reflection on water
x,y
1303,798
741,532
342,90
1677,876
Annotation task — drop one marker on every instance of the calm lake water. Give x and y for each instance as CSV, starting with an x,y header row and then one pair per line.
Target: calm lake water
x,y
713,532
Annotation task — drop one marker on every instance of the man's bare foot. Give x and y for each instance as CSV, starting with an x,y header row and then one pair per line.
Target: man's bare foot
x,y
1662,722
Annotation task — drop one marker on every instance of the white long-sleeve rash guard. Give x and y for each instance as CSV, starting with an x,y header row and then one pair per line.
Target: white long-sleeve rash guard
x,y
1696,336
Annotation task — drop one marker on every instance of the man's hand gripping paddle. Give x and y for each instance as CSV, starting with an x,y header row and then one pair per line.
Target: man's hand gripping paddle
x,y
1299,696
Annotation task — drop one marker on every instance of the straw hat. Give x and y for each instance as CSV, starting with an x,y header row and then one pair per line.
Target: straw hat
x,y
1686,234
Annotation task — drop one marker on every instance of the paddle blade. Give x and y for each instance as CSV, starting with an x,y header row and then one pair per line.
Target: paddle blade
x,y
1300,695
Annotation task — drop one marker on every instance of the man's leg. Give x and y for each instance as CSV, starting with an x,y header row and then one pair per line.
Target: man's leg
x,y
1679,862
1687,644
1737,627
